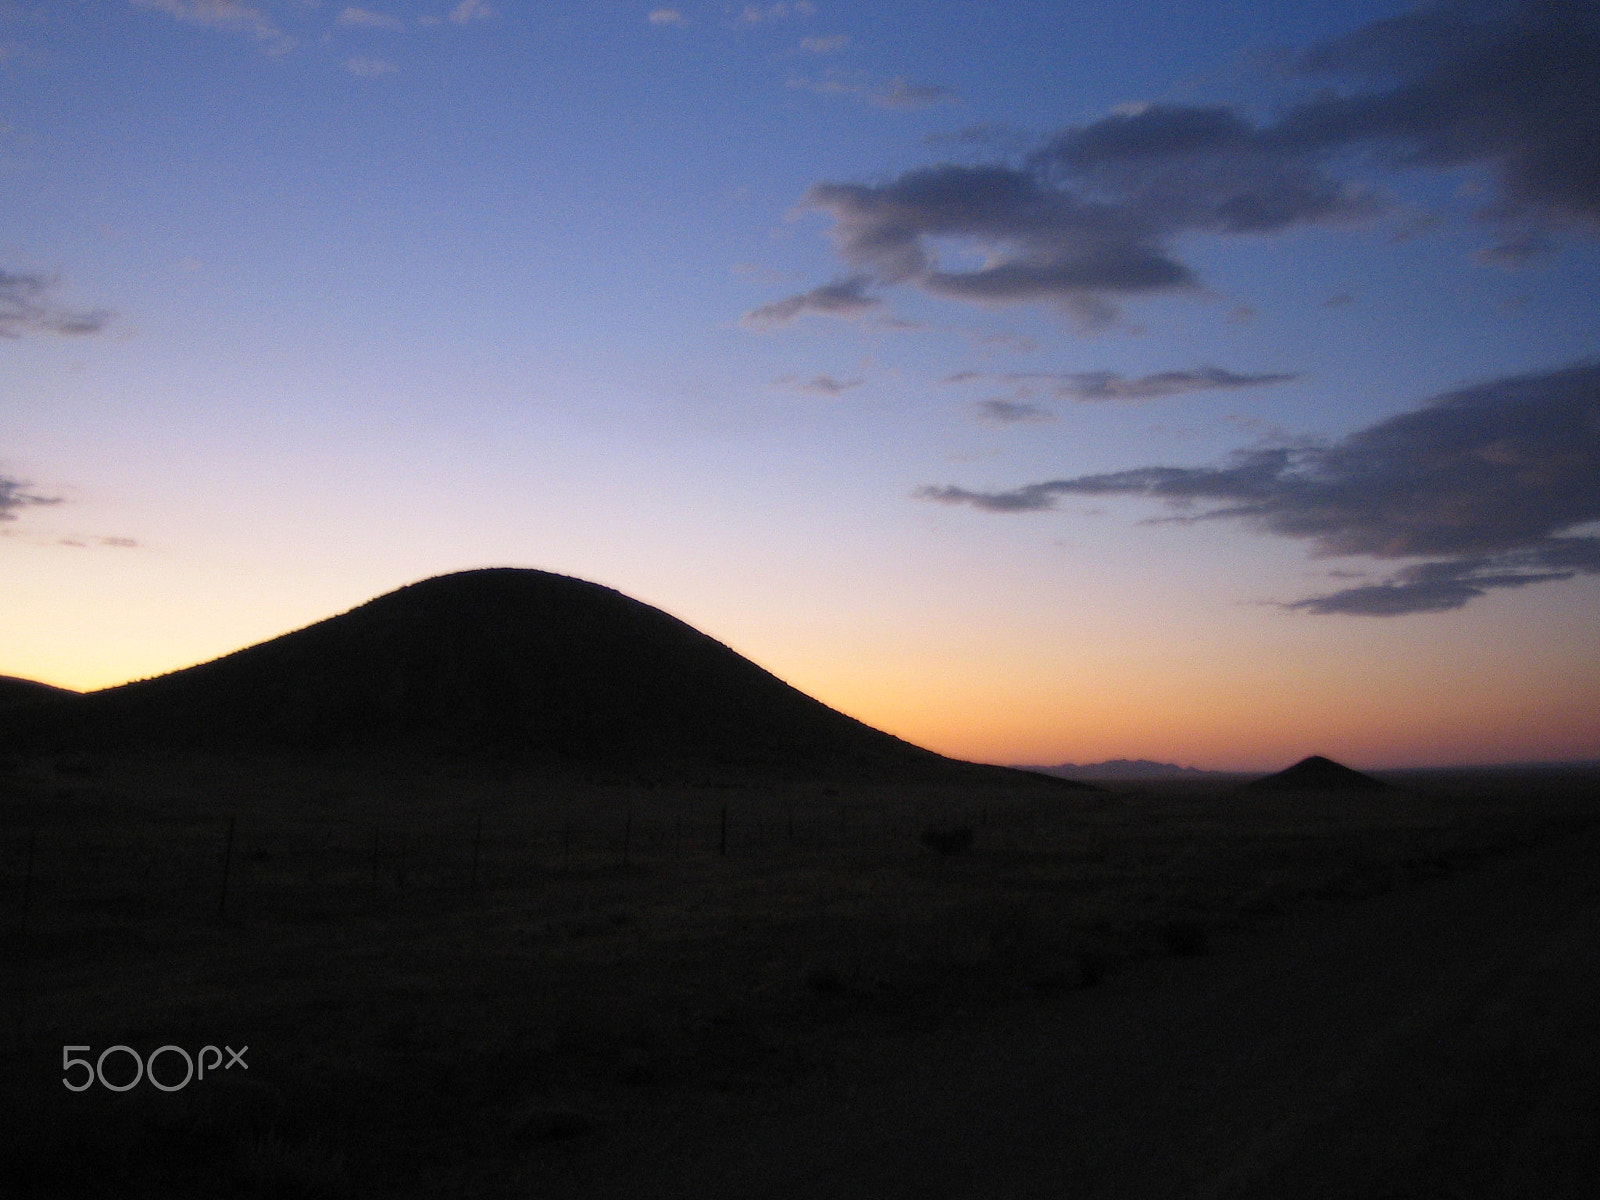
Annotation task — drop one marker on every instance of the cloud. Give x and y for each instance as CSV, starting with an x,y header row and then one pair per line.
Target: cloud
x,y
80,542
899,93
227,15
841,298
1092,215
1185,168
370,67
666,16
470,10
1518,251
14,495
1507,86
825,45
1510,87
1043,243
1108,385
366,19
1010,412
755,14
819,385
1490,481
26,307
1442,586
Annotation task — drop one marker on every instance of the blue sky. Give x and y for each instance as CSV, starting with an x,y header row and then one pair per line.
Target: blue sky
x,y
858,336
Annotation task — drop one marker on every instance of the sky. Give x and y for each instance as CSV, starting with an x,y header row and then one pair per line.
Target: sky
x,y
1042,382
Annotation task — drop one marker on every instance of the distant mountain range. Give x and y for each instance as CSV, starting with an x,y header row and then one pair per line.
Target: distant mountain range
x,y
507,664
1126,768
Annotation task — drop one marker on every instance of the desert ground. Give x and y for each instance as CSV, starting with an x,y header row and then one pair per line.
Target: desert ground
x,y
459,981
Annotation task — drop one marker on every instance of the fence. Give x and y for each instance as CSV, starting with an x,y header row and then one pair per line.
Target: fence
x,y
230,865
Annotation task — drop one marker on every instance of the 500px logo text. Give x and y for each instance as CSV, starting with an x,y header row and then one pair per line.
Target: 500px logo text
x,y
194,1066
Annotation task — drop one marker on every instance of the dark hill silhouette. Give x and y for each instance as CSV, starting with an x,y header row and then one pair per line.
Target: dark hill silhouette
x,y
15,692
506,663
1318,774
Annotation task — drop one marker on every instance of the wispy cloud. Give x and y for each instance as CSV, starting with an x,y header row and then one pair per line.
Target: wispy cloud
x,y
1518,251
470,10
666,16
1108,385
363,18
14,495
1490,482
26,307
1010,412
899,93
841,298
79,542
227,15
1093,215
756,14
818,385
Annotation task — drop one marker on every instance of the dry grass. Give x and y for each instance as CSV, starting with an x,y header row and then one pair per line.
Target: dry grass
x,y
524,963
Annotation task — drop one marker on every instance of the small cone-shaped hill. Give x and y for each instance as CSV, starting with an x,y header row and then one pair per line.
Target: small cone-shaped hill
x,y
510,663
1318,774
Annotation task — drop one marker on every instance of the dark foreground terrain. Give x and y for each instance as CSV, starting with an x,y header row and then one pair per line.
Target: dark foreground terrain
x,y
460,982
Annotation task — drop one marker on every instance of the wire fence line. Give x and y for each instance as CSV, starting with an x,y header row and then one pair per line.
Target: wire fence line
x,y
222,864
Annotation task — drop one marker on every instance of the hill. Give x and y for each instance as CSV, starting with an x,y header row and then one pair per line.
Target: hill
x,y
1318,774
512,664
15,692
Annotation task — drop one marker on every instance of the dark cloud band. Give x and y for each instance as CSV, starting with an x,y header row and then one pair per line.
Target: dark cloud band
x,y
1092,215
26,307
1108,385
1493,481
842,298
14,495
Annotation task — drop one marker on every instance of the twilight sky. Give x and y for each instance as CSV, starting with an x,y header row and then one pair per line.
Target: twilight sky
x,y
1040,381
